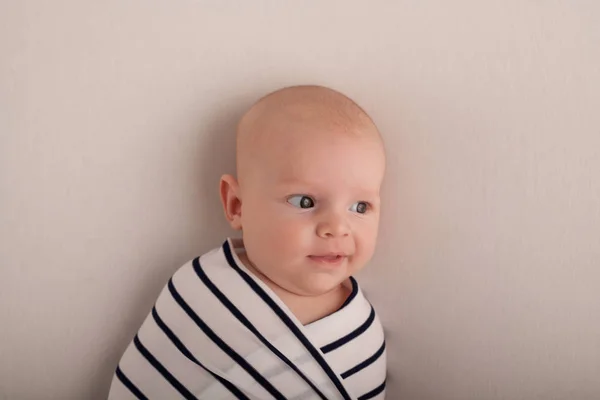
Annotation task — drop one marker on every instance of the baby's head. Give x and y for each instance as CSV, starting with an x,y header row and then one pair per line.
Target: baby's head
x,y
310,163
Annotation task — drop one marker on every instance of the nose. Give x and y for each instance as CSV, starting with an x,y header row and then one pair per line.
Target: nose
x,y
332,226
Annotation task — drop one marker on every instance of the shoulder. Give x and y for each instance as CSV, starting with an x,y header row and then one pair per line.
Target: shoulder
x,y
186,281
209,259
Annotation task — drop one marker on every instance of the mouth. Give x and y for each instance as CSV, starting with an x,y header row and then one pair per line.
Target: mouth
x,y
331,259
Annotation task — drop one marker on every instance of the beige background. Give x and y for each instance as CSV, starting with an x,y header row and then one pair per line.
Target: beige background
x,y
117,119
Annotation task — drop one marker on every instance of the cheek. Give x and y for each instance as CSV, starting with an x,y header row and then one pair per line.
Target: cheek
x,y
366,238
290,231
280,230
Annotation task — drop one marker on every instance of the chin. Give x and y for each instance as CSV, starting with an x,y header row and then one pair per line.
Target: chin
x,y
324,286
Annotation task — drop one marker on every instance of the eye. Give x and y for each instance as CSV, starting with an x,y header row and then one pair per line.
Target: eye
x,y
301,201
360,207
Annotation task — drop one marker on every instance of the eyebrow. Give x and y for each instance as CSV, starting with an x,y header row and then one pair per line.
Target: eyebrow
x,y
292,182
287,183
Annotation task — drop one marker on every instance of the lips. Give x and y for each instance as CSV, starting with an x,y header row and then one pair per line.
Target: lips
x,y
330,258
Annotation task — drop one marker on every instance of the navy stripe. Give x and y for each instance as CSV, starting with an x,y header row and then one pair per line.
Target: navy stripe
x,y
240,316
223,346
352,295
352,335
286,320
163,371
129,385
365,363
373,393
175,340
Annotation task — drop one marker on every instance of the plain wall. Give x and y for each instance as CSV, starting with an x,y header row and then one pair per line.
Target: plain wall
x,y
117,119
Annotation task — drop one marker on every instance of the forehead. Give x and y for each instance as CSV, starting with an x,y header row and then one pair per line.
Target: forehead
x,y
328,161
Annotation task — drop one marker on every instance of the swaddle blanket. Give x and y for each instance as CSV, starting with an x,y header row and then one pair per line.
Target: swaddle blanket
x,y
218,332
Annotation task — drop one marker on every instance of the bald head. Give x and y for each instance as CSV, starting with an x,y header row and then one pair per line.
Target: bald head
x,y
293,113
310,168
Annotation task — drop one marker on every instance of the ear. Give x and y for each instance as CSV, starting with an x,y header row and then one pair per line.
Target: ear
x,y
232,203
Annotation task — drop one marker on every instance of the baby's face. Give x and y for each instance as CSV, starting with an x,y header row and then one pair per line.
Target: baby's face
x,y
310,207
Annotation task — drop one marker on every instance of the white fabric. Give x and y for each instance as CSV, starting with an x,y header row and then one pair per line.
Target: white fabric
x,y
218,332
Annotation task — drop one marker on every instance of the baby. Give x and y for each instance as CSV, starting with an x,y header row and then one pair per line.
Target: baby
x,y
277,313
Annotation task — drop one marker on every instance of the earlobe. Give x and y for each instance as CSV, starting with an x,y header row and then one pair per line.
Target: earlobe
x,y
230,199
